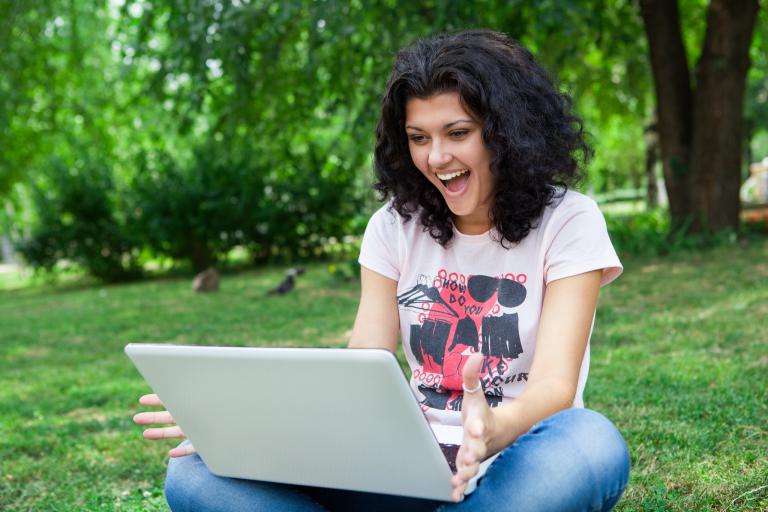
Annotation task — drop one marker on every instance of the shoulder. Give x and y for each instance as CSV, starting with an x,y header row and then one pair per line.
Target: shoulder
x,y
388,240
387,220
572,205
576,240
385,215
572,200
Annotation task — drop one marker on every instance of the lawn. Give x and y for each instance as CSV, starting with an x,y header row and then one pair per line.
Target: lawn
x,y
679,362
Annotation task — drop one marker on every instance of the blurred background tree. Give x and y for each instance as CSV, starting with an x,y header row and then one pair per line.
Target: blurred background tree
x,y
220,124
700,117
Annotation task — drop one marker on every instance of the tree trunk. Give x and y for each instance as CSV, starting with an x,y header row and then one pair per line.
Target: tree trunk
x,y
199,254
718,115
700,131
651,157
673,98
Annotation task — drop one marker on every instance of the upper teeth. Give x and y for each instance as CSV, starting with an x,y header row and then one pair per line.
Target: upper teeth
x,y
446,177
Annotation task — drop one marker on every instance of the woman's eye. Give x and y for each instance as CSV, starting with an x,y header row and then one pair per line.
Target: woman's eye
x,y
459,133
418,139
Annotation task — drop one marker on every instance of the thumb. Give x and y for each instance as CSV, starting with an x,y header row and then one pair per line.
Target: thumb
x,y
471,372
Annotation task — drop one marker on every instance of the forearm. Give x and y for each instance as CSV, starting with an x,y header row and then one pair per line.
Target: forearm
x,y
377,322
363,336
566,319
540,400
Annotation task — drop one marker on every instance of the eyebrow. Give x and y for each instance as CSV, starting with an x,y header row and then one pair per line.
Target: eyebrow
x,y
445,126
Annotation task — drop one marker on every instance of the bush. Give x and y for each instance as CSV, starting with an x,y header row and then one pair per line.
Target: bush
x,y
639,233
195,212
650,233
198,211
308,202
75,219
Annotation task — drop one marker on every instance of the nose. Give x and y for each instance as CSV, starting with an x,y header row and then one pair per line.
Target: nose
x,y
438,155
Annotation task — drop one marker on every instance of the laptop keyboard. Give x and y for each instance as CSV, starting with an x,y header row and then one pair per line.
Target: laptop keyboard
x,y
449,452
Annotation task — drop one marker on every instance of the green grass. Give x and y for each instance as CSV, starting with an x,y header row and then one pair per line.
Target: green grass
x,y
679,362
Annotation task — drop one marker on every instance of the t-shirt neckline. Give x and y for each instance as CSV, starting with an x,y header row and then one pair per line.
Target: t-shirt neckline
x,y
481,237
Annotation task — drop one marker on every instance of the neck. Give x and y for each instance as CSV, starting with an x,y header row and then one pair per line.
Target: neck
x,y
472,226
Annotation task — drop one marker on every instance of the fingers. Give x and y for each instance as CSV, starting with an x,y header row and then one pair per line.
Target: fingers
x,y
466,472
163,433
471,452
458,490
464,475
468,465
161,417
458,493
471,371
152,399
461,479
181,451
153,418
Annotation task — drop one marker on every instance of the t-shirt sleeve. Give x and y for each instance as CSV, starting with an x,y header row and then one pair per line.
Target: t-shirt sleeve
x,y
379,250
580,243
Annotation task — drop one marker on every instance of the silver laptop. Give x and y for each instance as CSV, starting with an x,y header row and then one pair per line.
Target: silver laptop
x,y
338,418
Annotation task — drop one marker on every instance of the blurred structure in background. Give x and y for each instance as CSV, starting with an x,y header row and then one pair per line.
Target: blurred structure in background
x,y
7,254
754,191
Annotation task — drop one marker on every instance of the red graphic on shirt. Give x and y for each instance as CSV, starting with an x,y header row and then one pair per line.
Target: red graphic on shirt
x,y
459,316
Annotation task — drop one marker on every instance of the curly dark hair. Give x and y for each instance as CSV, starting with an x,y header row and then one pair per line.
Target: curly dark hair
x,y
535,141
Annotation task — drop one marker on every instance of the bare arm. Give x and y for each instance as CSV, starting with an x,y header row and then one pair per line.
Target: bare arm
x,y
377,322
566,317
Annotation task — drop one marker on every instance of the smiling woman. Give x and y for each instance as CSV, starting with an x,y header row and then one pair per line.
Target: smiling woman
x,y
488,269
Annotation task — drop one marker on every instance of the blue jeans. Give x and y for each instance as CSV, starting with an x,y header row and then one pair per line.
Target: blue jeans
x,y
573,460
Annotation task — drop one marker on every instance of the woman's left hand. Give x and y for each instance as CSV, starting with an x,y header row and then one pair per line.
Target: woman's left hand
x,y
479,428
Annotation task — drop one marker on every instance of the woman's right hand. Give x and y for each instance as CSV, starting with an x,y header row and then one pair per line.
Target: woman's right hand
x,y
161,417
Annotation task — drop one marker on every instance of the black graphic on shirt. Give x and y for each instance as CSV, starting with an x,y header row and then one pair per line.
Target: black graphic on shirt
x,y
421,295
428,340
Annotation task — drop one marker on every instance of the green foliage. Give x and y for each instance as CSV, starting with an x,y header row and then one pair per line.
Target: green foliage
x,y
193,212
309,198
77,220
56,91
620,160
345,270
639,233
650,233
756,108
201,209
289,91
344,266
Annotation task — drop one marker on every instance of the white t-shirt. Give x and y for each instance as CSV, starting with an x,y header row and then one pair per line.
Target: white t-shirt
x,y
476,295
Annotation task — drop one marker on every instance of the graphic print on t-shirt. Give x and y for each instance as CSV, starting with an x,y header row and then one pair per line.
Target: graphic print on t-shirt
x,y
458,316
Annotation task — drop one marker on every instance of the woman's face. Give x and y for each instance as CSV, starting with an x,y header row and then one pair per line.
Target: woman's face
x,y
447,146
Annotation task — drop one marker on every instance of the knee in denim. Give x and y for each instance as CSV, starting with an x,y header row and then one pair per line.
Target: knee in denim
x,y
600,441
184,478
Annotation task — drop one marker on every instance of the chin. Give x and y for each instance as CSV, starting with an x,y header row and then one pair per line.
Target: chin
x,y
459,211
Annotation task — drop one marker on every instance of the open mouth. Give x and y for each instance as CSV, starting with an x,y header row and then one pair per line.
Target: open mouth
x,y
455,181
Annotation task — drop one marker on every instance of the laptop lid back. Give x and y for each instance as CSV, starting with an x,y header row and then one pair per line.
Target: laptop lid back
x,y
339,418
